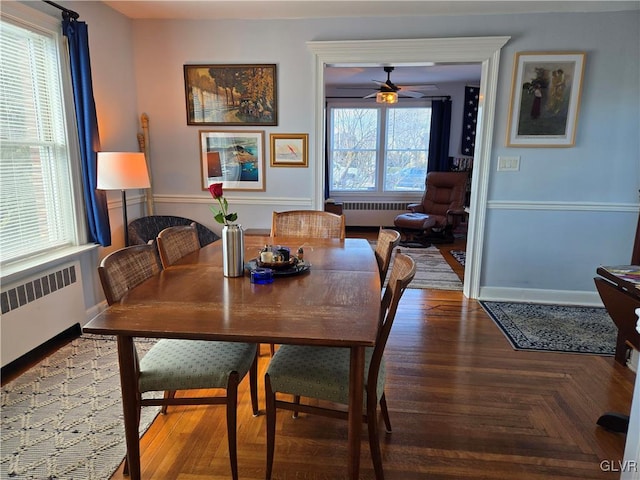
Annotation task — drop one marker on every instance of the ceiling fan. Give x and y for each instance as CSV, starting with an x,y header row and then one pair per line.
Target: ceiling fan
x,y
389,91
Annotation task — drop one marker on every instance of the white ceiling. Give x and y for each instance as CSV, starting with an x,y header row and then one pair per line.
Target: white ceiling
x,y
263,9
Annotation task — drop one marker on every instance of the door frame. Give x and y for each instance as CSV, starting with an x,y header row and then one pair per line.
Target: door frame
x,y
484,50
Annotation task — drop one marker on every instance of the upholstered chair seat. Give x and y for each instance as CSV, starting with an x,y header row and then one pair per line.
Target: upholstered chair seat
x,y
318,372
193,364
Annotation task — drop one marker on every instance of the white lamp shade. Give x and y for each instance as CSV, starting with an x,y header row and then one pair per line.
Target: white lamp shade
x,y
122,171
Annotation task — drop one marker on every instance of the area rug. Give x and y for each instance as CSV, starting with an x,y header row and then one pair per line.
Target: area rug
x,y
432,270
62,419
554,328
460,256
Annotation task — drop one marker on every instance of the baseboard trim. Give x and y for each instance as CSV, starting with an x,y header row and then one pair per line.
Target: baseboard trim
x,y
559,297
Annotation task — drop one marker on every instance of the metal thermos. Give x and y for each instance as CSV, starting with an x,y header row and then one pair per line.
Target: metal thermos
x,y
232,250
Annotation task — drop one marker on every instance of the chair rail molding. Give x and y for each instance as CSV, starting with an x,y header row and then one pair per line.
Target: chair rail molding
x,y
562,206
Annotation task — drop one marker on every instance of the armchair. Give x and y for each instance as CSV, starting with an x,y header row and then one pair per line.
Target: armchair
x,y
442,206
143,229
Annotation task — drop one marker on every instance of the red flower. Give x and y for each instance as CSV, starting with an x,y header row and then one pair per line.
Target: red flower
x,y
216,190
221,216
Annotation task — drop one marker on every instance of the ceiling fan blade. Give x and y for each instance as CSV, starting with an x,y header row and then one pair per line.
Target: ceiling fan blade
x,y
371,95
409,93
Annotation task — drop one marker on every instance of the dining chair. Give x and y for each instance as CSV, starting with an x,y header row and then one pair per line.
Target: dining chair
x,y
173,364
307,223
176,242
322,373
388,239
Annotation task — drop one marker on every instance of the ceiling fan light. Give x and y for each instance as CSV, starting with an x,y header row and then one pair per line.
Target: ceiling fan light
x,y
387,97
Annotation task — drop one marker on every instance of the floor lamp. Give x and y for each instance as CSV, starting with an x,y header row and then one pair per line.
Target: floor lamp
x,y
122,171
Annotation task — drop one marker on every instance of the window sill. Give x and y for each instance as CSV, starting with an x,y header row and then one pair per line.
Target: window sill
x,y
30,266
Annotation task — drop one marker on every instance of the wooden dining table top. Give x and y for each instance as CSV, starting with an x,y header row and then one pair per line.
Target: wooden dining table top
x,y
335,303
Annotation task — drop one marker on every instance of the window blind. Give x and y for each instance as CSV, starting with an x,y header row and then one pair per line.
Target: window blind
x,y
36,198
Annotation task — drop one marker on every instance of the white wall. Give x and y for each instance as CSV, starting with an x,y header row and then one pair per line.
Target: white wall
x,y
548,225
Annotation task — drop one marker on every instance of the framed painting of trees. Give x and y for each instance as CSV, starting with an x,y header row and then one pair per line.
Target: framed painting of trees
x,y
231,94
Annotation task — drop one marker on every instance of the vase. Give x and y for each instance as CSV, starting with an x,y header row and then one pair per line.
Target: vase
x,y
232,250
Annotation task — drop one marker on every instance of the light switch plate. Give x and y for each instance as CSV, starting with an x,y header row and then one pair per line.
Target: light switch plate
x,y
508,164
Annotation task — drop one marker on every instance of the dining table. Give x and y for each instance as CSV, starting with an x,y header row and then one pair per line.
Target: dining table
x,y
334,301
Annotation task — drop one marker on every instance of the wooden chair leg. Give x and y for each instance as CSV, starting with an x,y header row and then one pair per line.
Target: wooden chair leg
x,y
296,400
167,394
232,407
125,468
271,424
385,413
374,441
272,348
253,385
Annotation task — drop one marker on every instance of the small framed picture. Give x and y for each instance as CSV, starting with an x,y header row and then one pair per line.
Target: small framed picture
x,y
239,95
545,99
235,159
289,149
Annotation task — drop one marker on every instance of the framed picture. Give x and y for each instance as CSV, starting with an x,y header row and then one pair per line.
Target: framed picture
x,y
235,159
545,99
231,94
289,150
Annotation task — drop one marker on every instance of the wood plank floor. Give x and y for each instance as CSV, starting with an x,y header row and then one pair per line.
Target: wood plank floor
x,y
463,405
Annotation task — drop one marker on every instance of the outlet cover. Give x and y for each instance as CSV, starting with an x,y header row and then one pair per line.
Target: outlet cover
x,y
508,164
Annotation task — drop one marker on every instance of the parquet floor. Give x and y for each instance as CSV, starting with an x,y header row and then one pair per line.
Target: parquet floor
x,y
463,405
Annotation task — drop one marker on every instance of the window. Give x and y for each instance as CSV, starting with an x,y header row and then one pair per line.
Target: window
x,y
378,148
37,209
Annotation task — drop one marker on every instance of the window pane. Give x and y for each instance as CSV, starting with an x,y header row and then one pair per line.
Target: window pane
x,y
36,203
353,153
407,148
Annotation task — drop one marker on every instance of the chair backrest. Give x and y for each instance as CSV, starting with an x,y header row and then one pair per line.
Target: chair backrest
x,y
307,223
444,191
402,272
143,229
176,242
126,268
387,240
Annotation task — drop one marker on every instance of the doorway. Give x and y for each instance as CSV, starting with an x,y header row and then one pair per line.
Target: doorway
x,y
484,50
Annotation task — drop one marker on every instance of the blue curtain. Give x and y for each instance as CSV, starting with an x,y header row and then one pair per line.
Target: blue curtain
x,y
439,139
95,200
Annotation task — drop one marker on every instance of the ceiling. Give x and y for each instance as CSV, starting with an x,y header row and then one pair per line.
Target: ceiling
x,y
271,9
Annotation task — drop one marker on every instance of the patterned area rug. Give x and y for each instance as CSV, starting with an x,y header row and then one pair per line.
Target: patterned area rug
x,y
554,328
460,256
432,270
62,419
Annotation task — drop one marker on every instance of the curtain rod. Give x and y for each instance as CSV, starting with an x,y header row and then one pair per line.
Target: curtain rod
x,y
66,13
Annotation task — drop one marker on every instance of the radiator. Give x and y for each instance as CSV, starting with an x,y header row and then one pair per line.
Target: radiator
x,y
38,308
372,214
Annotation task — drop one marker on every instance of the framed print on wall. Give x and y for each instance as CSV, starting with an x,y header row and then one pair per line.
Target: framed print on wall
x,y
231,94
289,150
235,159
545,99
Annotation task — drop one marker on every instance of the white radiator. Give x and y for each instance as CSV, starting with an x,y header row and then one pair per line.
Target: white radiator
x,y
39,308
372,214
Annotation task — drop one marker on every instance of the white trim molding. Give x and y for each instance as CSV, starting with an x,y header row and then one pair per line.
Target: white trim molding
x,y
563,206
264,200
